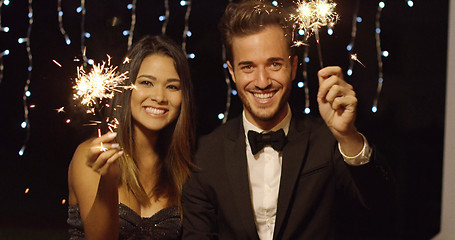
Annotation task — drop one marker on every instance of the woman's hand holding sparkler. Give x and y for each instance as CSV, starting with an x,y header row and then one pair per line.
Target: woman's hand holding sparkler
x,y
103,154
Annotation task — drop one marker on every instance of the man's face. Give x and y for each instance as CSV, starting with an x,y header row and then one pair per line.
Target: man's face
x,y
263,74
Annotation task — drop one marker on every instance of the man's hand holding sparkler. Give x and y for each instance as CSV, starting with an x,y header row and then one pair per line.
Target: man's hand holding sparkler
x,y
103,154
337,106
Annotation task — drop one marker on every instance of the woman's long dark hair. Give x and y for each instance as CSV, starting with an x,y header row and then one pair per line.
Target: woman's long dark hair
x,y
176,142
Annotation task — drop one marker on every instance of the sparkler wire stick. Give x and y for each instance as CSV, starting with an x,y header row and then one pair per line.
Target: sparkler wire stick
x,y
318,45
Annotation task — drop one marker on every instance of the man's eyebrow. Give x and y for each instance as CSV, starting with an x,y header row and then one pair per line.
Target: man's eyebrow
x,y
245,63
275,59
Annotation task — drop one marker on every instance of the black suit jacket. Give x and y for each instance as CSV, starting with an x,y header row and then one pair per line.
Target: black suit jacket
x,y
216,198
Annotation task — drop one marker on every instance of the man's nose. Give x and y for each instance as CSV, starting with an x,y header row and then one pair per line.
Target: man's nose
x,y
263,79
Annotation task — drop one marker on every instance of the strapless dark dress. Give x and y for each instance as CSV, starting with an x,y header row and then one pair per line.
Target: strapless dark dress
x,y
165,224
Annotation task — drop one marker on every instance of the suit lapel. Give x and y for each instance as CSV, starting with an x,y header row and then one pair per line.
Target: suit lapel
x,y
292,161
237,169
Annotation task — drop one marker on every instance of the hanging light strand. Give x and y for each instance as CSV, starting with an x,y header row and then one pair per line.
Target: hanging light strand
x,y
60,22
165,19
133,24
186,31
26,123
6,51
228,85
83,46
305,79
379,56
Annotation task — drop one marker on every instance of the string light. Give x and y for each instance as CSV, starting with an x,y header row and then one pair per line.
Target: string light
x,y
60,22
132,6
228,85
185,30
410,3
82,11
306,88
26,123
3,29
165,18
379,54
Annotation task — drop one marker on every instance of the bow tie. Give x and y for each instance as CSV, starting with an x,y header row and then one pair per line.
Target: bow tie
x,y
258,140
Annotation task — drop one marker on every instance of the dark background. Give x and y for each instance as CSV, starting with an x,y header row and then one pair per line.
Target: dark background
x,y
408,127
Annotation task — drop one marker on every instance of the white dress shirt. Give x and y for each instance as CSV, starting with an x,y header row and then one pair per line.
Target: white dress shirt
x,y
264,172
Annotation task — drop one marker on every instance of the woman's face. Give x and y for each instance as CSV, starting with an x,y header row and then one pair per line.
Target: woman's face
x,y
156,99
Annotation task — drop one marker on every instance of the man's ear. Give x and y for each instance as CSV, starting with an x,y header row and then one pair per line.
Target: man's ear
x,y
231,70
295,62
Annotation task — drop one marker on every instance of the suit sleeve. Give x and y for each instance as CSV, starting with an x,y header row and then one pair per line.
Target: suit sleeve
x,y
199,214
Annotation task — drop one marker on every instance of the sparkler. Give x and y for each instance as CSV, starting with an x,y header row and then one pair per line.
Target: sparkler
x,y
312,15
355,58
100,83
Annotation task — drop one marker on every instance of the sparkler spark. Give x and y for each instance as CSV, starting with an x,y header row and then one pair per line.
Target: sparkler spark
x,y
312,15
355,58
58,64
100,83
59,110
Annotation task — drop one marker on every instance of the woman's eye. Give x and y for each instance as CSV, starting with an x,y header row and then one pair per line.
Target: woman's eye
x,y
173,87
146,83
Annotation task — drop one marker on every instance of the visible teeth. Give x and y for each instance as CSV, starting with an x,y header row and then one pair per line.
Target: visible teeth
x,y
263,95
155,111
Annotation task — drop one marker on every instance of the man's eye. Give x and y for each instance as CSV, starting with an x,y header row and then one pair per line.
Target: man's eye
x,y
275,66
247,68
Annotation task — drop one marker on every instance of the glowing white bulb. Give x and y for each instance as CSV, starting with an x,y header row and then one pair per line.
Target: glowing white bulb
x,y
6,52
29,68
189,33
24,124
349,72
234,92
161,18
21,152
6,2
60,13
359,19
300,84
275,3
221,116
301,32
129,6
225,65
349,47
183,3
378,30
126,32
307,110
79,9
380,80
28,93
90,61
329,31
30,15
87,35
5,29
191,55
21,40
307,59
410,3
67,40
374,109
381,4
385,53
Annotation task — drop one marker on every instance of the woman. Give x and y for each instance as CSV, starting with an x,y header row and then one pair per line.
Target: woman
x,y
130,188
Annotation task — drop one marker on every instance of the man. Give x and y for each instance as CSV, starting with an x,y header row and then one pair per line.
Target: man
x,y
276,191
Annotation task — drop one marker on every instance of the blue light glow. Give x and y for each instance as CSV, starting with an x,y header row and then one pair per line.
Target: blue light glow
x,y
300,84
307,110
221,116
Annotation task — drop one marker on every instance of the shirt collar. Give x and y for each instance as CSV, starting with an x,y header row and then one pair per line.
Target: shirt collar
x,y
284,124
